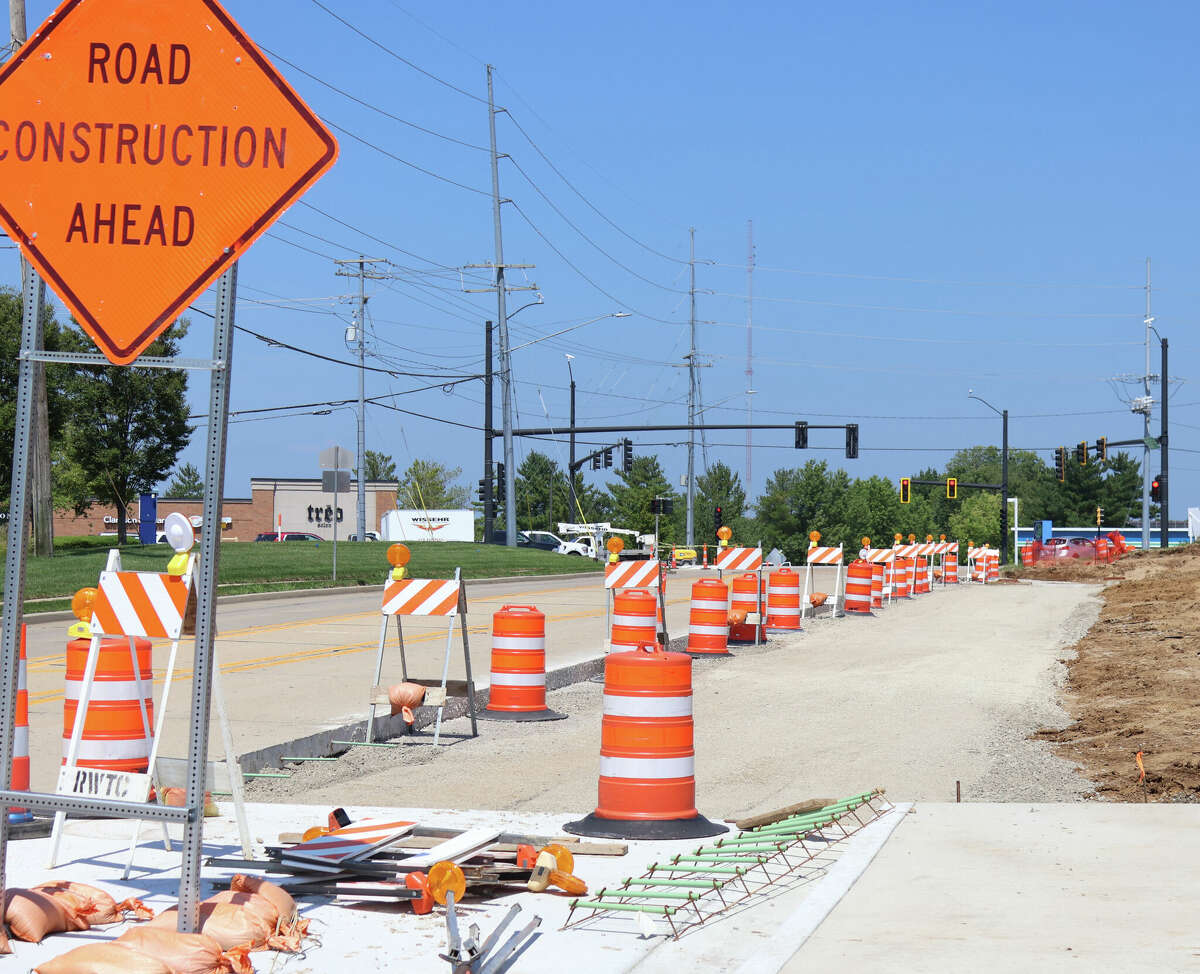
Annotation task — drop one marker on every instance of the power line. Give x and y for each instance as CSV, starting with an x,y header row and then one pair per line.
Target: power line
x,y
402,161
398,57
374,108
931,311
943,283
378,240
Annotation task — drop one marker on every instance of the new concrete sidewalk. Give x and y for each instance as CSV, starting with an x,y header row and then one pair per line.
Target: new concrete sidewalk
x,y
1021,887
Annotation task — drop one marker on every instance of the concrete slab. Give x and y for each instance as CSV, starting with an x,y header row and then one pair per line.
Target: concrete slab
x,y
763,932
1023,887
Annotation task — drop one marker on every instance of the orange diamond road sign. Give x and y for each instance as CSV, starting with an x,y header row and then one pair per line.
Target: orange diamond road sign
x,y
143,148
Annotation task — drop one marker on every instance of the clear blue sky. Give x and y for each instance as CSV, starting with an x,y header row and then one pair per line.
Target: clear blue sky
x,y
945,196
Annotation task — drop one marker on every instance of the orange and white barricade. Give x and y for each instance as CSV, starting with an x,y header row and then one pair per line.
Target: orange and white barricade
x,y
138,606
906,562
883,557
977,564
432,597
648,575
823,556
941,549
742,560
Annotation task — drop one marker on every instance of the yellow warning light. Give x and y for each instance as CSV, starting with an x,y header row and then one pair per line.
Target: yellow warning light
x,y
82,602
912,538
398,555
444,877
614,545
928,538
897,536
941,537
814,537
866,542
562,855
178,564
724,532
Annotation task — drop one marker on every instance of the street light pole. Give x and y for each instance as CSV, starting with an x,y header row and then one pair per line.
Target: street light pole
x,y
1003,414
571,460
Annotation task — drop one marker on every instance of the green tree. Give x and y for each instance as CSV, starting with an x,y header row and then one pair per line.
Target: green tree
x,y
58,383
541,489
429,485
186,483
720,487
127,427
631,496
797,501
978,520
1121,492
379,466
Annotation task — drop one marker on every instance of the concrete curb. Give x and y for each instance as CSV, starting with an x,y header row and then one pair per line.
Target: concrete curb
x,y
64,615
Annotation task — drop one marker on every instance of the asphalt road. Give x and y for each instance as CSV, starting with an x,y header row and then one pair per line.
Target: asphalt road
x,y
292,667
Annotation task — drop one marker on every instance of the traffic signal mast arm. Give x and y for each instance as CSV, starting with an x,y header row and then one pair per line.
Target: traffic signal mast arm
x,y
942,483
581,462
669,428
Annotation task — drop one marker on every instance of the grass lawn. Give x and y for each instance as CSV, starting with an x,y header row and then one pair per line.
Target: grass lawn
x,y
250,566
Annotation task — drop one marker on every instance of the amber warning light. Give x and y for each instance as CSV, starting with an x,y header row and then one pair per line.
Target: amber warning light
x,y
143,148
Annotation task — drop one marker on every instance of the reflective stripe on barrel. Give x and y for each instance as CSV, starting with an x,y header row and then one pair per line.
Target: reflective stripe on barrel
x,y
518,681
647,756
115,736
745,597
633,621
708,618
783,600
993,566
950,568
877,585
858,586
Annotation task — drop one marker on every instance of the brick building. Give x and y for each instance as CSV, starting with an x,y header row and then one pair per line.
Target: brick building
x,y
300,502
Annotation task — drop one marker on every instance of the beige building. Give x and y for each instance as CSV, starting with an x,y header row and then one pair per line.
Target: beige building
x,y
300,502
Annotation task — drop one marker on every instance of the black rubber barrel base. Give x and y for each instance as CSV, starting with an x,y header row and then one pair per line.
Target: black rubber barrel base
x,y
724,655
36,828
520,715
618,828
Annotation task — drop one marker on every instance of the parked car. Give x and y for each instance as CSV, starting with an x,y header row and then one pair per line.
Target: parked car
x,y
1081,548
546,540
370,535
288,536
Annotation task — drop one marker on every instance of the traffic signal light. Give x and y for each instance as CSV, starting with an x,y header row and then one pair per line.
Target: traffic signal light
x,y
952,488
1102,449
1156,489
905,490
483,489
1099,515
627,455
596,462
1081,453
802,436
608,457
500,482
1060,463
851,441
718,518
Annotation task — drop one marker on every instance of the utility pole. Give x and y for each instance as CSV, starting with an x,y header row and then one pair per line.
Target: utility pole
x,y
749,348
689,530
571,457
42,502
1146,425
489,495
1164,489
360,337
1004,490
510,497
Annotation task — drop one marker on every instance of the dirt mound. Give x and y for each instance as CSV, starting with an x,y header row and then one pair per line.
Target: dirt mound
x,y
1073,570
1135,684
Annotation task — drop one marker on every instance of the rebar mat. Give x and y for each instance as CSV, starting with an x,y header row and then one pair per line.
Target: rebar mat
x,y
687,890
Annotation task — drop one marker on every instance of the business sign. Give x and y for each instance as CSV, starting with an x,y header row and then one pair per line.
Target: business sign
x,y
417,525
143,148
121,786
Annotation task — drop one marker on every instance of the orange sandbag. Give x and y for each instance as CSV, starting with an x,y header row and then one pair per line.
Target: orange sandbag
x,y
187,953
177,798
31,916
259,905
737,617
403,697
818,598
263,887
94,904
103,958
230,926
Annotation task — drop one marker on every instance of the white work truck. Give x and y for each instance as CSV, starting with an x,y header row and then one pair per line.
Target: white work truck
x,y
589,541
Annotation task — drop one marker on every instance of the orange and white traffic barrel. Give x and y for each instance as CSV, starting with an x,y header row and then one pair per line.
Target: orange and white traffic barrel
x,y
877,585
20,753
748,597
708,619
634,617
1027,554
993,566
858,587
647,786
921,579
902,586
783,600
950,568
518,682
115,735
1102,549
